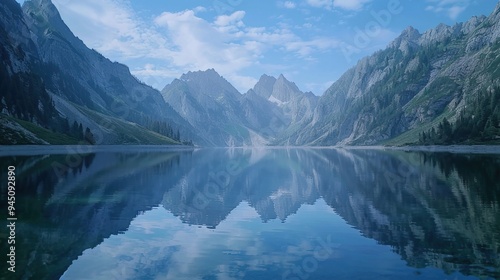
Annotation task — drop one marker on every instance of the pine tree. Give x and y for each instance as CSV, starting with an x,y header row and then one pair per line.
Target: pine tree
x,y
81,132
89,136
74,129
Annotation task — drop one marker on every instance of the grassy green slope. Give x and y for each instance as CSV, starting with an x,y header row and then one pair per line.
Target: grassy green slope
x,y
11,136
127,132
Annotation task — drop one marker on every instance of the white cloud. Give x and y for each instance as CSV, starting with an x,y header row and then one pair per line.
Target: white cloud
x,y
455,11
452,8
306,48
161,49
327,4
234,18
350,4
353,5
289,5
200,9
228,45
199,45
110,27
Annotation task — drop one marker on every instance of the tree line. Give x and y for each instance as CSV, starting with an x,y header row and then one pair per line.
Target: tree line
x,y
478,122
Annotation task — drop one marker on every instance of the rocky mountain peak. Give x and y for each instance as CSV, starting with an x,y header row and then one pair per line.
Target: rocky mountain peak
x,y
45,17
207,74
410,33
407,40
472,24
440,33
282,80
264,86
210,83
43,8
284,90
495,16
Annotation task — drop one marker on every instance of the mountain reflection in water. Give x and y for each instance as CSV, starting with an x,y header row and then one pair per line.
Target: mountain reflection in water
x,y
257,214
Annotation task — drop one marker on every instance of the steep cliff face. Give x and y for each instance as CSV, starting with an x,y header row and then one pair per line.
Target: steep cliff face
x,y
22,92
411,85
18,50
101,84
53,78
211,105
285,107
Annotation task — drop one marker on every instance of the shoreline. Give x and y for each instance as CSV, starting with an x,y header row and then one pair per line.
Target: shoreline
x,y
455,149
33,150
28,150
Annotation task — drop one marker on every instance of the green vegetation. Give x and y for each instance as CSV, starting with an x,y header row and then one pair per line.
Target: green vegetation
x,y
12,136
441,89
411,137
128,132
9,136
479,122
163,128
24,94
49,136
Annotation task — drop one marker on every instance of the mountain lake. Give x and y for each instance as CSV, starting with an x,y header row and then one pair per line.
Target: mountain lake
x,y
250,213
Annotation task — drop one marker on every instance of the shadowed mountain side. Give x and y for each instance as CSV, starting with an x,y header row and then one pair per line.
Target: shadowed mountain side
x,y
81,207
424,212
51,80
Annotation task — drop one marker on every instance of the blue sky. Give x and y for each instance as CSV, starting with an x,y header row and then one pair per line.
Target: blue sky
x,y
311,42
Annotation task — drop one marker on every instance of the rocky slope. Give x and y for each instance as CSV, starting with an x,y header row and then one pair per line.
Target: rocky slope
x,y
410,86
292,108
80,83
211,105
391,97
23,94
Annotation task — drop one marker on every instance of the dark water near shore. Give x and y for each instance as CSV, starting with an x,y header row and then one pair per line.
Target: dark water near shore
x,y
254,214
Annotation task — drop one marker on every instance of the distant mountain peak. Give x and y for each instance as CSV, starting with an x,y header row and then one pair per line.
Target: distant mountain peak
x,y
411,31
209,83
284,90
207,74
410,34
282,79
264,86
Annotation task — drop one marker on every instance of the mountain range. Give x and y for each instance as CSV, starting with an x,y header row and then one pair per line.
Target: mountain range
x,y
437,87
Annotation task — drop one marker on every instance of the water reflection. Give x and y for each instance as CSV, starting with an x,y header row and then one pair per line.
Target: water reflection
x,y
259,214
60,214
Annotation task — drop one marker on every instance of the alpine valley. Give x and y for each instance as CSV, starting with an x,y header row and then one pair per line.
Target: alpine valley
x,y
441,86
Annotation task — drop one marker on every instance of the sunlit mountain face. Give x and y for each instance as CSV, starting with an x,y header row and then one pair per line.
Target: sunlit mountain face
x,y
265,213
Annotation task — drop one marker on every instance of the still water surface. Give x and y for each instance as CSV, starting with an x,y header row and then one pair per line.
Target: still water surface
x,y
255,214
